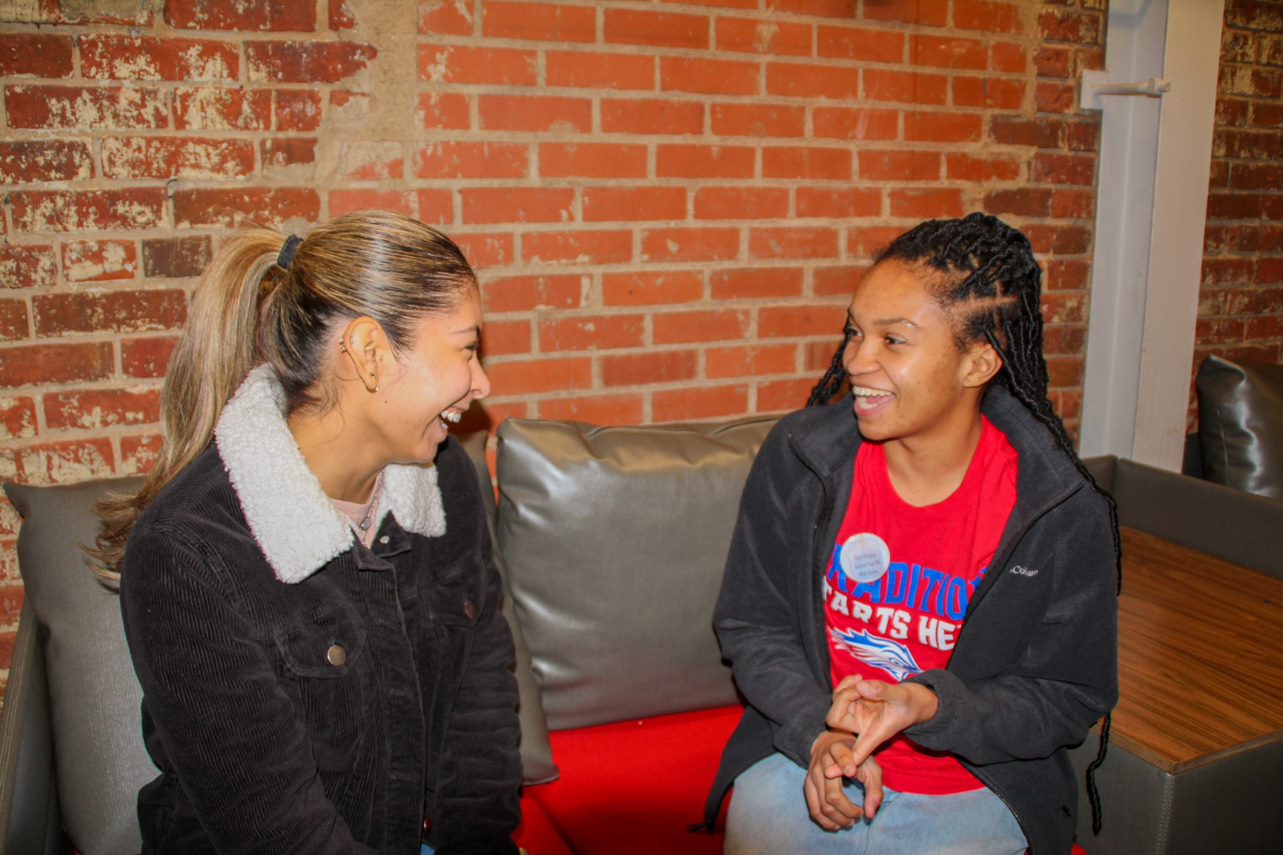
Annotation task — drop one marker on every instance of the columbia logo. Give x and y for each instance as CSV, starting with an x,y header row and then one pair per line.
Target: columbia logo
x,y
1022,570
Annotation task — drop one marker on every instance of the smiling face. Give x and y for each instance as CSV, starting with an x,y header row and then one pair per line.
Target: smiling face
x,y
912,382
433,383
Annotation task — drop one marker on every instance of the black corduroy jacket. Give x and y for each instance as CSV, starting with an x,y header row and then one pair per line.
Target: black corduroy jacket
x,y
303,693
1035,664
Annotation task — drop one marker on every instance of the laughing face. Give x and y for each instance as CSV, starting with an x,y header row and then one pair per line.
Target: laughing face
x,y
911,380
433,383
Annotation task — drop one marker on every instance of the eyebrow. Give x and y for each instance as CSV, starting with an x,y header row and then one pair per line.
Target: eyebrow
x,y
475,329
886,322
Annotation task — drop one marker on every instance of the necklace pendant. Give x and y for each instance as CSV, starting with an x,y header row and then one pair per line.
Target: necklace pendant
x,y
365,524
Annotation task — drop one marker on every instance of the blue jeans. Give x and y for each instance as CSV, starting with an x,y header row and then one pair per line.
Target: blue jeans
x,y
768,815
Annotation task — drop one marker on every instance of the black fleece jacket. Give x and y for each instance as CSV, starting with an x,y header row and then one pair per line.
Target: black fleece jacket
x,y
1035,664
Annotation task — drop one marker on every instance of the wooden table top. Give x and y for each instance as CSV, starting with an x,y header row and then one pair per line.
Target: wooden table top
x,y
1200,655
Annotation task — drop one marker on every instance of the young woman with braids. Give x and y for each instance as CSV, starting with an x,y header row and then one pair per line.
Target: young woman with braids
x,y
932,547
305,577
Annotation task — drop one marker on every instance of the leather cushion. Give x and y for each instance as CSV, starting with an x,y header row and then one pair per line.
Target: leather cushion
x,y
615,540
1240,424
94,697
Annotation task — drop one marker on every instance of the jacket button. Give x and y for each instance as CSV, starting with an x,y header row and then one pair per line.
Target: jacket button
x,y
336,656
469,609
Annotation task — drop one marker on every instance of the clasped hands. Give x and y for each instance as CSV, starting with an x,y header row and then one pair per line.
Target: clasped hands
x,y
864,715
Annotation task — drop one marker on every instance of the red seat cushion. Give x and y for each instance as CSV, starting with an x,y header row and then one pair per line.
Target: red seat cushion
x,y
636,786
537,835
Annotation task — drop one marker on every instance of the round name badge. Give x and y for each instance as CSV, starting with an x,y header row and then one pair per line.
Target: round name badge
x,y
865,557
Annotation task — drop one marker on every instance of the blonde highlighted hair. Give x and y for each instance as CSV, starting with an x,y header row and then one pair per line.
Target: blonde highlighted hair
x,y
247,310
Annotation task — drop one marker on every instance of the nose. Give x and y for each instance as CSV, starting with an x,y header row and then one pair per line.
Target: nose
x,y
480,380
857,356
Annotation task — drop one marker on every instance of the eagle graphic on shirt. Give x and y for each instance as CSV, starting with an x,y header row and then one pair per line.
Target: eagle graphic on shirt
x,y
891,656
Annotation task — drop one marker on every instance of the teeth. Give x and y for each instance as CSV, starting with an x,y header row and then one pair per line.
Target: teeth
x,y
452,416
862,392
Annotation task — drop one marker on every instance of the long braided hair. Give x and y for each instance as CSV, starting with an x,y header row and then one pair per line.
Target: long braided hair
x,y
983,271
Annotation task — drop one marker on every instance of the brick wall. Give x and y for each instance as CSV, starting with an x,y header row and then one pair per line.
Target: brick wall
x,y
668,202
1241,301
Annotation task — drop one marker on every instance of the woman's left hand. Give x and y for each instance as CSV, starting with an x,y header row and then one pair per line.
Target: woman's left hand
x,y
875,712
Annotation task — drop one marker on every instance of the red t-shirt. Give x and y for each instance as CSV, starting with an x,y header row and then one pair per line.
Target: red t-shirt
x,y
907,619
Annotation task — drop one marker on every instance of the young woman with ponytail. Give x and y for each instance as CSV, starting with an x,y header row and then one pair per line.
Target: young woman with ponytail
x,y
305,576
932,547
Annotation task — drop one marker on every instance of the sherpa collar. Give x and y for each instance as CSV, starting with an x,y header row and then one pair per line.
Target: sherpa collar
x,y
295,524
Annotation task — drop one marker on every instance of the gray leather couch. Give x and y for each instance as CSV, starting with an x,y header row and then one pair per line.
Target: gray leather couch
x,y
613,534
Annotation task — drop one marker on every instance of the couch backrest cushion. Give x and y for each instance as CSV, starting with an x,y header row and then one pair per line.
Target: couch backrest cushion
x,y
93,694
1240,424
615,539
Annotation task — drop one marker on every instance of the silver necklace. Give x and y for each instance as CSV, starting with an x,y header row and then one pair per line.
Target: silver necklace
x,y
366,521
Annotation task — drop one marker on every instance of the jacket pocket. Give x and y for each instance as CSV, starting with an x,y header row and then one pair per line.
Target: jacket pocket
x,y
457,603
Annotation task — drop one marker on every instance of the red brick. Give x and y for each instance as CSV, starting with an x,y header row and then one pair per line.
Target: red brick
x,y
1008,56
986,16
1083,136
176,257
306,62
752,360
539,21
682,405
1233,206
296,110
371,161
212,108
65,462
17,418
807,163
929,13
660,29
926,204
759,120
29,161
447,17
899,165
483,251
88,210
756,283
988,92
595,409
464,64
1264,328
1070,25
704,162
820,8
948,52
1064,340
600,70
905,87
55,107
524,293
1053,61
799,321
101,408
535,113
288,151
868,241
436,207
472,160
1267,115
652,116
1228,271
506,338
644,368
593,332
118,311
708,76
265,206
784,395
176,157
651,289
1055,97
13,320
55,363
793,242
1269,271
720,4
1062,169
741,203
587,247
139,453
1025,201
35,54
346,201
699,326
634,203
817,356
943,127
146,357
690,244
97,261
592,160
27,266
541,375
837,281
781,38
518,204
276,15
1257,176
861,45
855,124
444,110
1016,130
812,81
341,16
151,58
965,167
838,203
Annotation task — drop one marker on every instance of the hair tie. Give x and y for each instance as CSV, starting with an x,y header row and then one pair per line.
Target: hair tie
x,y
286,258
